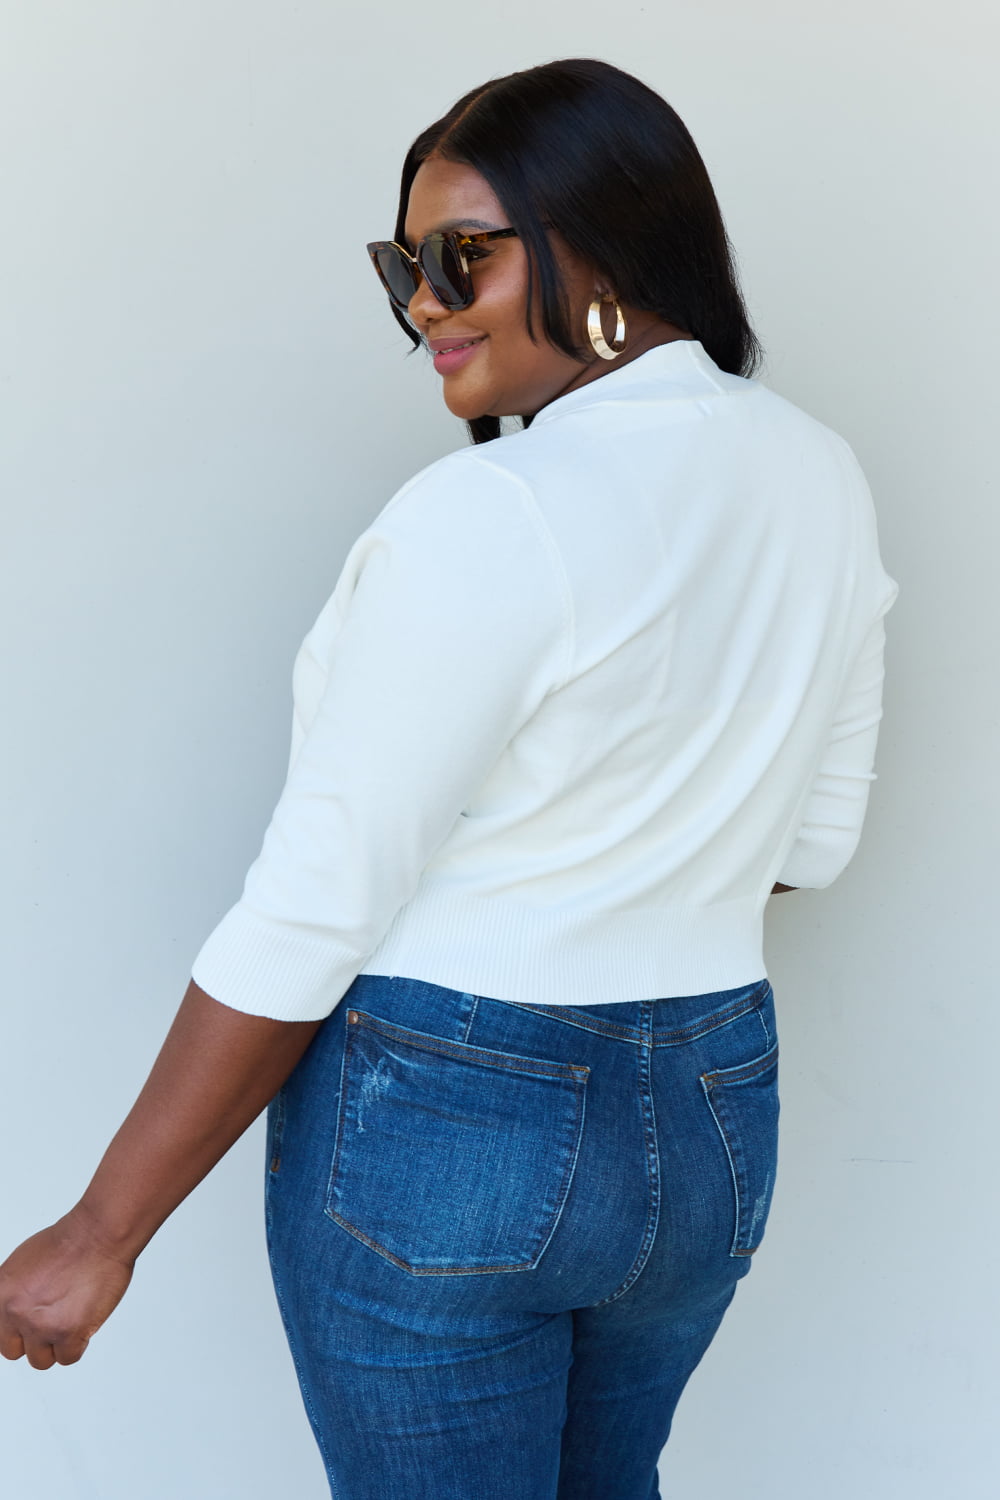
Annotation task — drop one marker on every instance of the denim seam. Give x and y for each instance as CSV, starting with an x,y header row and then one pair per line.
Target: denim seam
x,y
304,1386
277,1132
644,1060
511,1061
527,1265
734,1249
706,1024
472,1017
660,1037
763,1027
726,1078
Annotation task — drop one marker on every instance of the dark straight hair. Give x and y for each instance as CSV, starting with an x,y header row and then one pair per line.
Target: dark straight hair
x,y
583,148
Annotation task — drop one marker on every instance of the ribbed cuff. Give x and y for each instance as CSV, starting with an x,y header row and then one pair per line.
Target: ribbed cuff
x,y
286,973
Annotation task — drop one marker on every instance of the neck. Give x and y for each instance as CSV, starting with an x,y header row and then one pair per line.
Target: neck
x,y
645,332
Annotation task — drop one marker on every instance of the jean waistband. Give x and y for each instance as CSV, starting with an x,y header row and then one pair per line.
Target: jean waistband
x,y
657,1023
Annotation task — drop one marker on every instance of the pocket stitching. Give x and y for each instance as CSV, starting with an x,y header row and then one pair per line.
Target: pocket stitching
x,y
511,1061
579,1085
743,1072
735,1077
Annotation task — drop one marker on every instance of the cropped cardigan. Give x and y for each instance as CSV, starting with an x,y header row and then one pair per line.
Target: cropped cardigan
x,y
580,697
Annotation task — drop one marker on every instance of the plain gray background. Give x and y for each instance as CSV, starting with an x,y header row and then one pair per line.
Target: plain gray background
x,y
204,400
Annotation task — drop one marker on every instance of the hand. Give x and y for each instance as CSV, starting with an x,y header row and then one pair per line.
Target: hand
x,y
55,1292
215,1072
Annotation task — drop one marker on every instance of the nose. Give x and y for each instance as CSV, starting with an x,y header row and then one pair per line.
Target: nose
x,y
423,307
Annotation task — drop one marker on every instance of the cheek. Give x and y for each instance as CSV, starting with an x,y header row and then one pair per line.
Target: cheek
x,y
503,308
501,301
504,315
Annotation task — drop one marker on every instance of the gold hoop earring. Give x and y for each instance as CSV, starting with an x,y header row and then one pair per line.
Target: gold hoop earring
x,y
595,332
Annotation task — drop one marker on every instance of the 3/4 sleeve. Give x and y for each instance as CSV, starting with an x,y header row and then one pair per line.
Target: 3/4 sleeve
x,y
454,623
834,812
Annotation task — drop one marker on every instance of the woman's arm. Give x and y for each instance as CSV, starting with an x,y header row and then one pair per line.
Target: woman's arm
x,y
216,1071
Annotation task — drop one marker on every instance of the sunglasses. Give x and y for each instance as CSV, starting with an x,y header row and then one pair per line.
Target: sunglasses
x,y
442,260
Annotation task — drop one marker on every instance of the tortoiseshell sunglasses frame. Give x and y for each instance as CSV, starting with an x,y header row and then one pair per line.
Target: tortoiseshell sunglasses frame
x,y
415,268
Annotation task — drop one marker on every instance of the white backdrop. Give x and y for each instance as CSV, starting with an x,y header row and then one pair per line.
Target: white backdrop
x,y
203,400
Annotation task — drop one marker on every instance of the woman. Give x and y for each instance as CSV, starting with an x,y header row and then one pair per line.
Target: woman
x,y
584,694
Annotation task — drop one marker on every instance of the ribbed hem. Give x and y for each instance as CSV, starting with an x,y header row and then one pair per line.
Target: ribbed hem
x,y
483,946
509,951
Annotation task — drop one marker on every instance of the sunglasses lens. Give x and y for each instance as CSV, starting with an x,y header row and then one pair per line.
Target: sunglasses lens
x,y
397,274
446,277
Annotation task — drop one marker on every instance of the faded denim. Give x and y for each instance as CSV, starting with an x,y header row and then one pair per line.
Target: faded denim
x,y
502,1235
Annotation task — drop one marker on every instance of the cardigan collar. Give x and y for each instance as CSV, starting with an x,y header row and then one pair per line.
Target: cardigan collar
x,y
682,364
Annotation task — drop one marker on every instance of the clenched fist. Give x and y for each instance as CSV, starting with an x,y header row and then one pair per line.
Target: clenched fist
x,y
214,1074
55,1292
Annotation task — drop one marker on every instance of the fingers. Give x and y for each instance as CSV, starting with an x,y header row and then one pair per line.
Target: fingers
x,y
42,1336
42,1355
12,1346
56,1290
40,1352
69,1351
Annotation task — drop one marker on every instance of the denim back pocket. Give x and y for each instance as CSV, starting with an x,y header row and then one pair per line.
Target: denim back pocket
x,y
744,1103
451,1158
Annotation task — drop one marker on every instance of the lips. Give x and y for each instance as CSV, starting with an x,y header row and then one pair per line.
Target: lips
x,y
452,354
442,346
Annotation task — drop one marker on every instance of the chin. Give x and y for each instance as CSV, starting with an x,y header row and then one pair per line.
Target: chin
x,y
465,408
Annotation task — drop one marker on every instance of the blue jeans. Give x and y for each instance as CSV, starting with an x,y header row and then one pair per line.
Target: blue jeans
x,y
503,1235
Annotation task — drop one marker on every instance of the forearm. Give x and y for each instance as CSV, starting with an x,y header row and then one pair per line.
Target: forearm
x,y
217,1069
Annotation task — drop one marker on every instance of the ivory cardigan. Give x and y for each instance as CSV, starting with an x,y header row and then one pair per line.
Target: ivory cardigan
x,y
579,698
